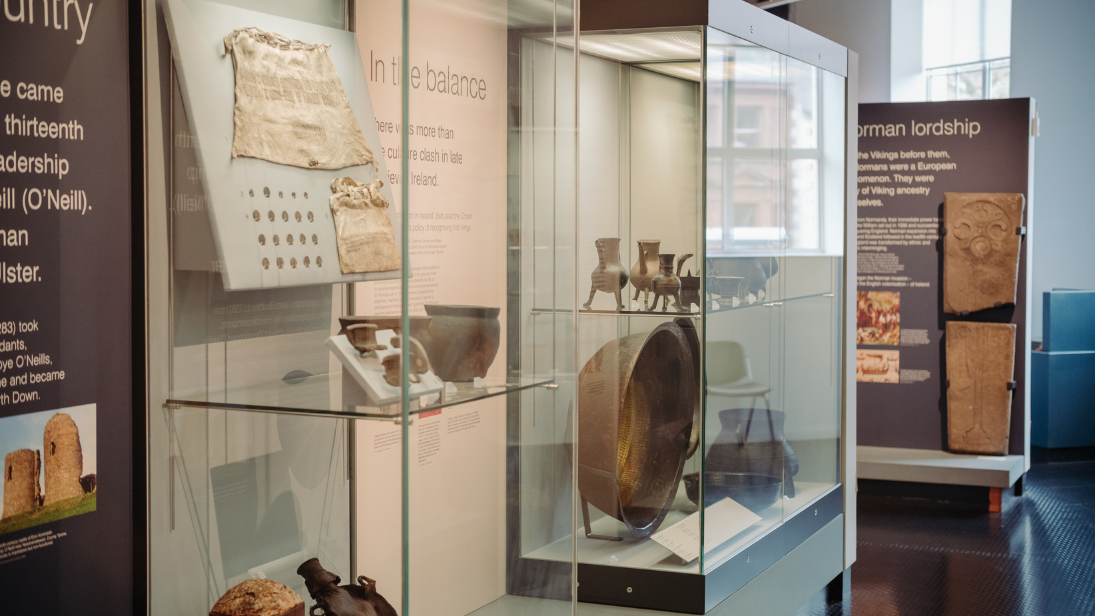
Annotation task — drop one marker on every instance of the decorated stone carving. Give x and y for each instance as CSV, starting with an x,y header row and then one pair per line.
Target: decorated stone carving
x,y
980,250
980,381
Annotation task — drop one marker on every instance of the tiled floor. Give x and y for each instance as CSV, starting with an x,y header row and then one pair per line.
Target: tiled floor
x,y
1035,558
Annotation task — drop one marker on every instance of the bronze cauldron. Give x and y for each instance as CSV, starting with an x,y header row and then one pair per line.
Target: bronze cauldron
x,y
636,403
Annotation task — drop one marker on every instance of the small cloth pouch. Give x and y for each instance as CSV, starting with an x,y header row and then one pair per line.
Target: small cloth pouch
x,y
363,227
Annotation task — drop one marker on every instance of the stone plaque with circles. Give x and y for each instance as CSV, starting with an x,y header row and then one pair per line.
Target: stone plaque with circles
x,y
271,223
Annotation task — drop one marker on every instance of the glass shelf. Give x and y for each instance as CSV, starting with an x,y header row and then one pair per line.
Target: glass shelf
x,y
622,313
768,304
675,315
322,395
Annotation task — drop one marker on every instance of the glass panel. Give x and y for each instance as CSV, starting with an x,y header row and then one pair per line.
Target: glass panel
x,y
640,214
460,352
250,496
491,107
772,322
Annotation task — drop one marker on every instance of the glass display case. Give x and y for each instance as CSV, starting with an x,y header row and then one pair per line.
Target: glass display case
x,y
712,213
363,213
487,315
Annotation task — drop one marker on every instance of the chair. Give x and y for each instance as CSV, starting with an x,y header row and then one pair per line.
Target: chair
x,y
729,373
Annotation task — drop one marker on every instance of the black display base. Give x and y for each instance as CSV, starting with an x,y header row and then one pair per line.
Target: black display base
x,y
669,591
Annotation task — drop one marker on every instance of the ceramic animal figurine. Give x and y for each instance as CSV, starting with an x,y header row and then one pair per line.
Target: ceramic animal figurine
x,y
644,270
360,599
609,275
667,284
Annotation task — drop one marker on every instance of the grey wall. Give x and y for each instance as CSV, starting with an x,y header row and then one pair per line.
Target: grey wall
x,y
860,25
1051,51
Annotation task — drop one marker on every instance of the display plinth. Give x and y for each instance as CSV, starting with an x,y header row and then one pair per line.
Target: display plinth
x,y
941,467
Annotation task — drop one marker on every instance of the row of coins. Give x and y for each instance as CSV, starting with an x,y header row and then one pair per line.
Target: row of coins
x,y
266,193
292,262
288,239
284,216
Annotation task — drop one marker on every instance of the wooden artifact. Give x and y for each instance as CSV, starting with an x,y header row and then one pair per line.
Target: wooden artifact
x,y
259,598
609,276
982,234
980,373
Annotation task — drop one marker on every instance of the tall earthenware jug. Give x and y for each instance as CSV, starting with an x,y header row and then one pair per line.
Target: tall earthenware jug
x,y
644,270
610,276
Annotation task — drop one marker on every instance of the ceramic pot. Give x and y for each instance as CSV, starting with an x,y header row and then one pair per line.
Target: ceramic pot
x,y
419,324
635,413
463,340
753,491
610,276
360,599
690,286
666,284
644,270
755,272
362,336
752,442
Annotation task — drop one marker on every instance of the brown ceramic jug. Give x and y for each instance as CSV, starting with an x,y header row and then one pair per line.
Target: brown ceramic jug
x,y
610,276
359,599
644,270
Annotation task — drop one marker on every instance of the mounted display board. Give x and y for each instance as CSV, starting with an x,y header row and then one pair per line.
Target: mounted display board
x,y
66,342
910,154
256,207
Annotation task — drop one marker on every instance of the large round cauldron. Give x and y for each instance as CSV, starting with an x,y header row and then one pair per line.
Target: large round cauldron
x,y
635,407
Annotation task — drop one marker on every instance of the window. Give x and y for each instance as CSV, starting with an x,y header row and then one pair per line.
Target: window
x,y
9,472
52,448
973,81
967,49
764,181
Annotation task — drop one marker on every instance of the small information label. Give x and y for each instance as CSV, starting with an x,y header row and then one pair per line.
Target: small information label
x,y
722,521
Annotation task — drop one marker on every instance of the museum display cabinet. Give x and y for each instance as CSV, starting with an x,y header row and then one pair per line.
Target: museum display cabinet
x,y
475,307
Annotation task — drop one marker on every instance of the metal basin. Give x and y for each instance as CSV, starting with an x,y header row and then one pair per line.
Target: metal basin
x,y
635,408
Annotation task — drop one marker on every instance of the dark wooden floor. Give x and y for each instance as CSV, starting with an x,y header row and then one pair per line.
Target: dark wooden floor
x,y
1035,558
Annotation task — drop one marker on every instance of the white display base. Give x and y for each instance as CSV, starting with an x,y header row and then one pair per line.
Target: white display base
x,y
927,466
648,554
368,372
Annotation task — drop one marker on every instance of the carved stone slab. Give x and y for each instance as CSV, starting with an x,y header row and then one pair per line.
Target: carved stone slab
x,y
980,250
980,366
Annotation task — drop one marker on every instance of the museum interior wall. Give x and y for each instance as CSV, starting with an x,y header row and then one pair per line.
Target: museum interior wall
x,y
1049,53
1048,48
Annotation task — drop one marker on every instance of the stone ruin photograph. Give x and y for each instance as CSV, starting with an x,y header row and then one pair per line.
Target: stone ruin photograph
x,y
49,466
